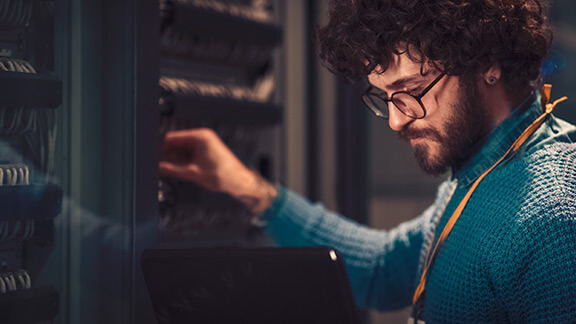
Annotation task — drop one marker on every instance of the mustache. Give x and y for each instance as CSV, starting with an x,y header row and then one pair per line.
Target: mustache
x,y
409,133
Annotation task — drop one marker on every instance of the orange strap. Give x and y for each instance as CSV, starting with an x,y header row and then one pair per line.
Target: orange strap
x,y
515,146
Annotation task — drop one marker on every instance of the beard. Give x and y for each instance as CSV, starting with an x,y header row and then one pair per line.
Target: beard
x,y
464,129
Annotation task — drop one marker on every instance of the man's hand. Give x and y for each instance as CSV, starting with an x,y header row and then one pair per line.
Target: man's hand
x,y
200,156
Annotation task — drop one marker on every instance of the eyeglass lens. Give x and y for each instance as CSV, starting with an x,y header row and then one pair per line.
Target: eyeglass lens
x,y
406,103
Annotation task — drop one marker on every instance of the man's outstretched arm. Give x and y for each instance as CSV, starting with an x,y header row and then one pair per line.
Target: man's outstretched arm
x,y
382,265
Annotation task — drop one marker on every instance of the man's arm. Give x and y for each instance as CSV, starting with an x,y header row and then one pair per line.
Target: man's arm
x,y
535,278
382,265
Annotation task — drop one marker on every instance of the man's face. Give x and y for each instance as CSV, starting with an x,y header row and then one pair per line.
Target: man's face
x,y
455,115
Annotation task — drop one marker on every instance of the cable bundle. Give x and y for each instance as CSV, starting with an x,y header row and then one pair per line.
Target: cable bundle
x,y
38,128
257,10
243,140
12,65
192,219
18,121
14,280
42,141
14,175
198,47
260,92
16,230
15,13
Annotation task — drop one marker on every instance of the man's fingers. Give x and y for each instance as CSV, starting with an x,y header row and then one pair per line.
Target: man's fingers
x,y
188,172
179,142
187,136
178,156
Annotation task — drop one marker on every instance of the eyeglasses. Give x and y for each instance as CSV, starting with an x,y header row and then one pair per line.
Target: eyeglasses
x,y
408,104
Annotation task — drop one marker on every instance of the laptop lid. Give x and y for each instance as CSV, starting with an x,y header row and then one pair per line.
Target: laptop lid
x,y
249,285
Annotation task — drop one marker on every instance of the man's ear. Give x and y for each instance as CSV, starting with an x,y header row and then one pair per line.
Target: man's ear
x,y
493,74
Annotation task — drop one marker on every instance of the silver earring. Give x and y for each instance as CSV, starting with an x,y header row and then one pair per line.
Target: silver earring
x,y
492,80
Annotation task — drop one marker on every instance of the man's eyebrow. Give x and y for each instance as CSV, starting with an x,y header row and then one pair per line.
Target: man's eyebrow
x,y
402,81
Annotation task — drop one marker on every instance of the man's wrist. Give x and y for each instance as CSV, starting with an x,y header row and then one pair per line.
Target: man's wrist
x,y
258,193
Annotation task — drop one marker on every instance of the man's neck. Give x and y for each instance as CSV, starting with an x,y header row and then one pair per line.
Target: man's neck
x,y
520,103
500,103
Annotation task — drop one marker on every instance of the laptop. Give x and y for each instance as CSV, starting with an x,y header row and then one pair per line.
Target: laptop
x,y
249,285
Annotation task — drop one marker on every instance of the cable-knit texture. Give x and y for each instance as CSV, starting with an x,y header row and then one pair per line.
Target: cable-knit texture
x,y
511,257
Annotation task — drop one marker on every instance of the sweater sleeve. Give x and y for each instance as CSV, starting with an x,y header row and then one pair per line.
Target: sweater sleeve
x,y
536,279
382,265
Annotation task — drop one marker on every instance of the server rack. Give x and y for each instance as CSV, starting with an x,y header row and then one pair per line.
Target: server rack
x,y
97,82
29,199
112,77
219,70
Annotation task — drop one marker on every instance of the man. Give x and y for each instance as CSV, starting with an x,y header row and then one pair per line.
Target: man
x,y
457,79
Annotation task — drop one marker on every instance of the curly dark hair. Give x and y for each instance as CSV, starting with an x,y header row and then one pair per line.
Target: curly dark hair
x,y
459,37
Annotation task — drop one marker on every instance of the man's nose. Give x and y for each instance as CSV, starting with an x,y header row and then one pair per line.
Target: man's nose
x,y
397,120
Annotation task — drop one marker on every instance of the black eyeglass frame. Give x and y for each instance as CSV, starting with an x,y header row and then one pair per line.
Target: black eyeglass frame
x,y
378,111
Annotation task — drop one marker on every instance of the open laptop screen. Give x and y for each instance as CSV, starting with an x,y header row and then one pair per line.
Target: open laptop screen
x,y
249,285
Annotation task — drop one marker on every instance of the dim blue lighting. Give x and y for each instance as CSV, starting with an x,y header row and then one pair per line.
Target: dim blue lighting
x,y
560,61
556,63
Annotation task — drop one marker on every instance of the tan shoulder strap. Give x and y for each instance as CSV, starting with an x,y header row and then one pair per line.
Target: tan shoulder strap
x,y
546,91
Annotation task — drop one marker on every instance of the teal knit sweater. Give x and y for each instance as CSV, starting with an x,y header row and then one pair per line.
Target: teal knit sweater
x,y
511,257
